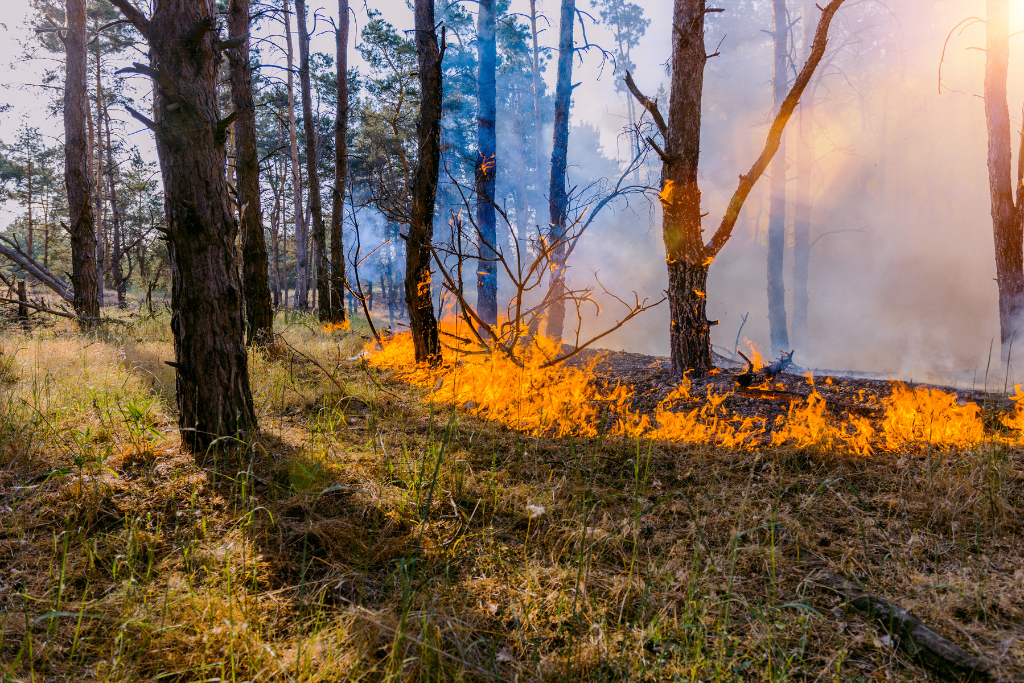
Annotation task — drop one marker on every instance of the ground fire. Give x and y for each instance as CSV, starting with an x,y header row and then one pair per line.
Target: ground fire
x,y
573,399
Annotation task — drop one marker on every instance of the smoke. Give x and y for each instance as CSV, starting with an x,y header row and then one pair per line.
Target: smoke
x,y
902,285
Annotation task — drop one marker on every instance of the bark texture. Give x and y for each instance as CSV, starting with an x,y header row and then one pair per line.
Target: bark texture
x,y
1006,217
777,201
213,395
336,310
301,239
422,322
316,212
486,166
689,336
558,193
688,257
82,223
255,267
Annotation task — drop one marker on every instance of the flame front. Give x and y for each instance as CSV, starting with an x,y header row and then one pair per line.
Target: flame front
x,y
564,400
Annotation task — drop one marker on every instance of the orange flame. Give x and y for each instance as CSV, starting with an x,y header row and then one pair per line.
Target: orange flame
x,y
563,400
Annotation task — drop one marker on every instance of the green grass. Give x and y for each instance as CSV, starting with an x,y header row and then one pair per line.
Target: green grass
x,y
370,535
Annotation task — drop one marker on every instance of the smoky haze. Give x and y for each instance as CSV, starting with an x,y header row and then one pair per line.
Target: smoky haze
x,y
902,270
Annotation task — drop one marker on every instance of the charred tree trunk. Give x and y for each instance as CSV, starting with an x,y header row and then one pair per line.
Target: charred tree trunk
x,y
255,268
301,239
690,336
486,166
422,322
316,212
777,202
687,255
82,225
1006,217
558,195
214,399
336,310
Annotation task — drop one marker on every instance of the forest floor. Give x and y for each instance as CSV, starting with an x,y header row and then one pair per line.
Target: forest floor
x,y
371,534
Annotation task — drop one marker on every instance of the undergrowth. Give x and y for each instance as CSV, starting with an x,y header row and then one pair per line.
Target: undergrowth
x,y
370,534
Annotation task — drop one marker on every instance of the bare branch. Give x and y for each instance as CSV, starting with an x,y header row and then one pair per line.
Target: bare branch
x,y
747,181
648,104
132,14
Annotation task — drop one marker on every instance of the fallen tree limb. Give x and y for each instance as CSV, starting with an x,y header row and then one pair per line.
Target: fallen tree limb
x,y
917,640
62,314
13,251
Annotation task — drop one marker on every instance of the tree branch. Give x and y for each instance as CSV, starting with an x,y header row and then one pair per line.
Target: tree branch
x,y
648,104
747,181
148,123
132,14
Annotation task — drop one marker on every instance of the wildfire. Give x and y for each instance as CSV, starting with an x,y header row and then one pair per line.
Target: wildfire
x,y
564,400
337,327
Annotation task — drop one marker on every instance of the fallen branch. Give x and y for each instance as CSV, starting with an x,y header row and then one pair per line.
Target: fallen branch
x,y
13,251
62,314
917,640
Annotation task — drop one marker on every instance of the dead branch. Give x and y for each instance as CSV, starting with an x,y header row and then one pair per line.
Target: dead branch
x,y
747,181
13,251
919,641
62,314
648,104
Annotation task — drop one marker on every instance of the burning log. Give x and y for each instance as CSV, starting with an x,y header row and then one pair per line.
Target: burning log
x,y
784,361
770,371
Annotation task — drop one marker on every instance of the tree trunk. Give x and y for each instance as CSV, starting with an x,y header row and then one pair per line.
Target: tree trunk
x,y
486,166
275,239
538,122
31,251
82,225
301,240
422,322
689,336
688,257
802,207
336,310
98,170
558,195
316,213
214,399
255,269
1006,218
115,218
777,202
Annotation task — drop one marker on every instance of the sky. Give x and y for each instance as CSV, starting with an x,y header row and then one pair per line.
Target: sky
x,y
902,274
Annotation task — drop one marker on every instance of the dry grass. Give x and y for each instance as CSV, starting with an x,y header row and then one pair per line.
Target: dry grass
x,y
371,535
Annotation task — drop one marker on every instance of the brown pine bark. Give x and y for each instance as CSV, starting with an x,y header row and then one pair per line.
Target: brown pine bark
x,y
336,309
211,364
687,256
422,322
255,267
301,239
316,213
77,179
1007,226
